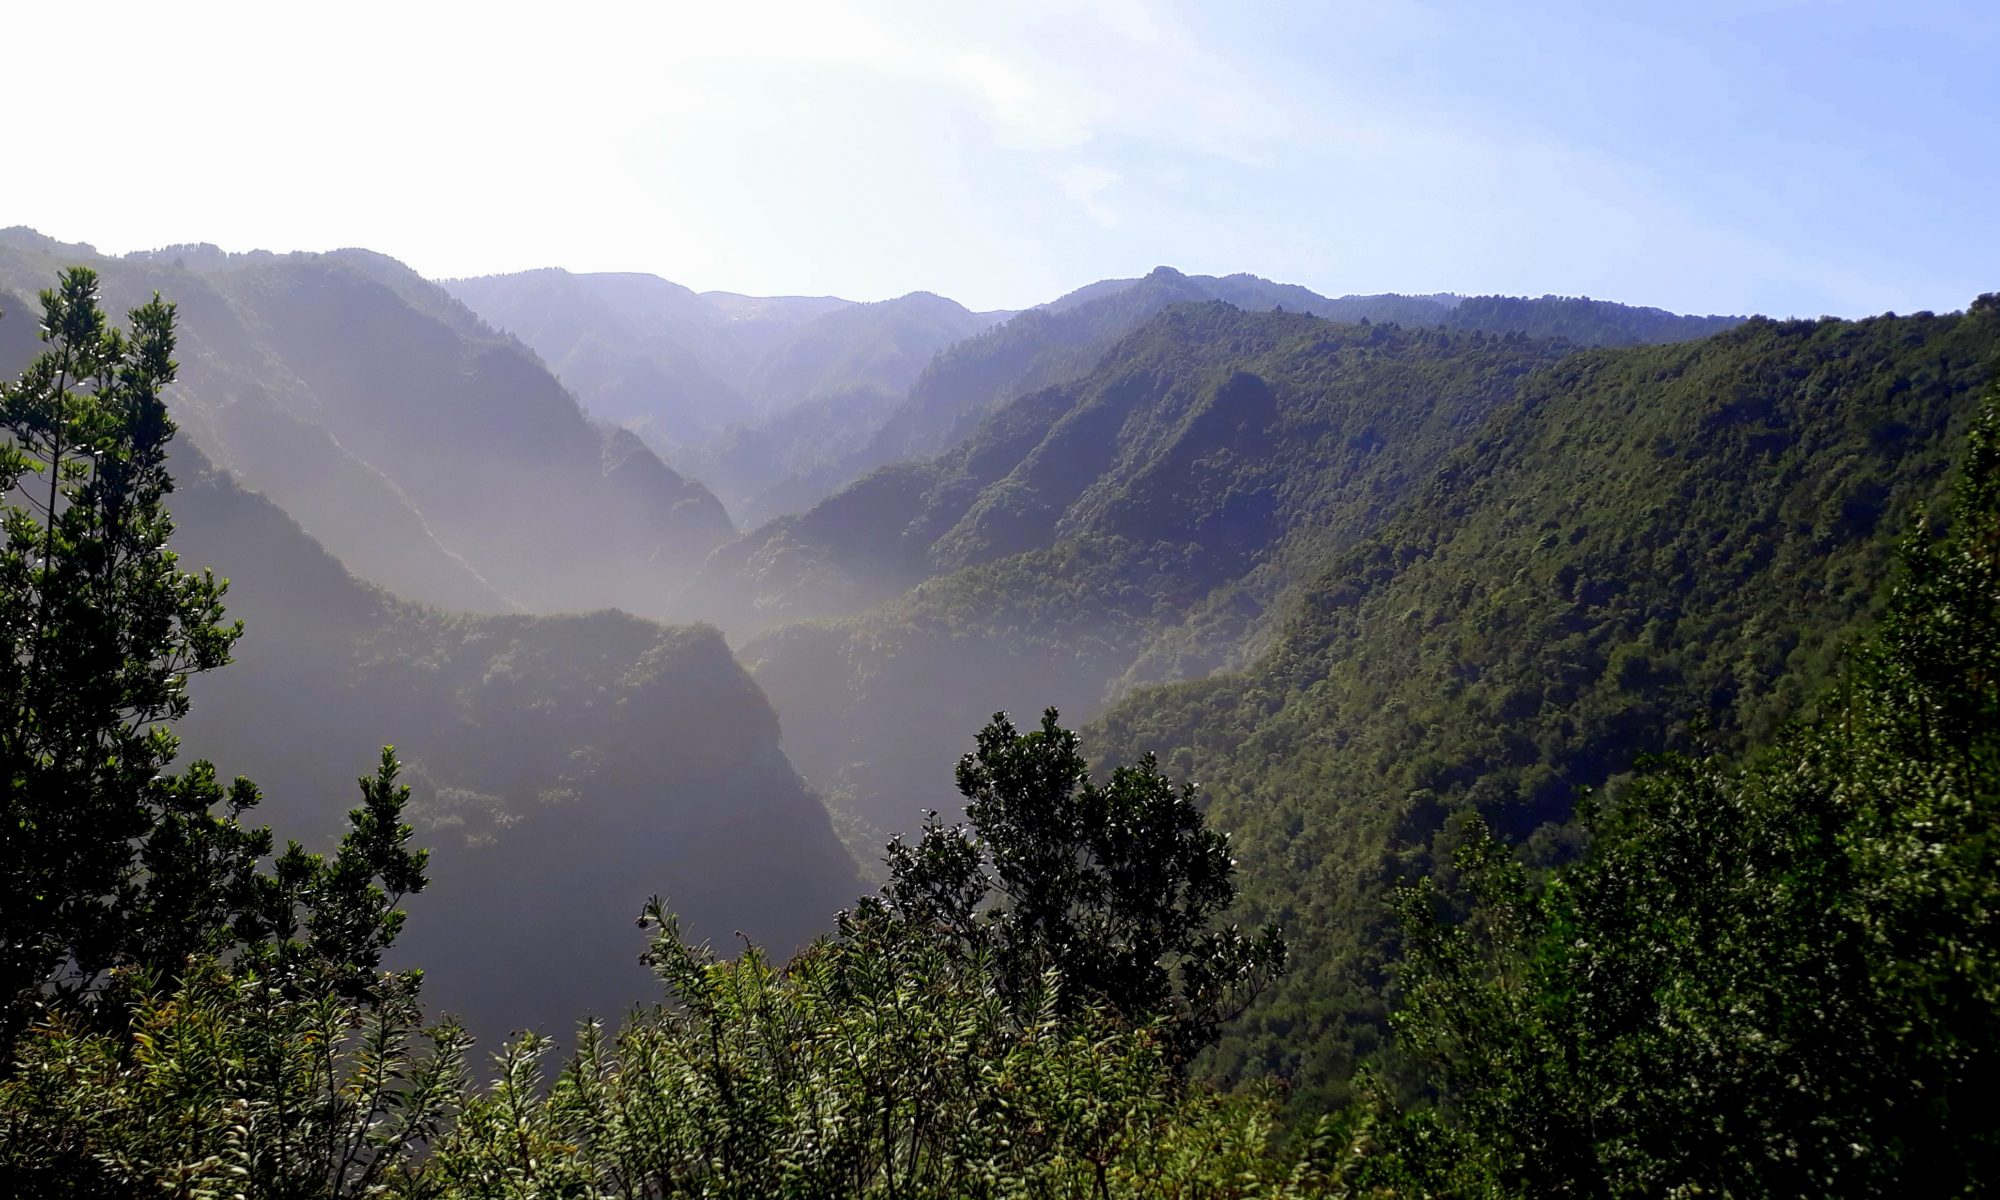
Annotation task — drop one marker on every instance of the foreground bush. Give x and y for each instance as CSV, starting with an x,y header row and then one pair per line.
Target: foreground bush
x,y
230,1086
878,1063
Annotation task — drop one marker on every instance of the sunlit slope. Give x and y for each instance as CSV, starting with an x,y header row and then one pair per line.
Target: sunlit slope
x,y
1043,346
835,555
1063,339
1645,543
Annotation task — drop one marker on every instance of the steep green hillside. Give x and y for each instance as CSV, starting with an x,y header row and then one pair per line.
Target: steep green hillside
x,y
1035,349
1063,339
1048,345
1080,524
1644,543
1005,487
565,768
431,454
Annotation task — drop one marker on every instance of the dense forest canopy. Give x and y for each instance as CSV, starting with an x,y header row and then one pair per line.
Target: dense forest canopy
x,y
1647,549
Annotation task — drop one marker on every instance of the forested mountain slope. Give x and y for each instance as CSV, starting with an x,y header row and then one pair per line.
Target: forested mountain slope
x,y
243,408
1644,543
564,768
1048,345
1062,340
1044,346
1082,523
1505,568
1581,320
427,452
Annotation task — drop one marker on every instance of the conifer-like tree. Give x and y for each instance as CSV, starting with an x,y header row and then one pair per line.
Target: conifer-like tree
x,y
107,860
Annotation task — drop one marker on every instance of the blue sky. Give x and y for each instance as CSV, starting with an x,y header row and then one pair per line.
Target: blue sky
x,y
1799,158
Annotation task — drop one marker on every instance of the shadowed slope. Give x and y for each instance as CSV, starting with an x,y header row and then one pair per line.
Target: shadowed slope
x,y
564,768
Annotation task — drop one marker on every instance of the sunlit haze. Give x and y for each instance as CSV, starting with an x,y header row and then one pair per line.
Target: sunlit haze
x,y
1787,158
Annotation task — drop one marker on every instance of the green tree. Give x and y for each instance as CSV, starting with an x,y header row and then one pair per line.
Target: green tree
x,y
1115,890
102,631
110,866
1775,980
174,1015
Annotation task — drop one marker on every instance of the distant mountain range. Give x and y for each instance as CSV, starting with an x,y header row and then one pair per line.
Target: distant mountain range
x,y
709,379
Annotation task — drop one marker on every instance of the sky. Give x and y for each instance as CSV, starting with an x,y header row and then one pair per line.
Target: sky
x,y
1785,158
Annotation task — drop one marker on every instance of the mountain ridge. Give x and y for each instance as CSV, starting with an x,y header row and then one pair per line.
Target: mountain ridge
x,y
1059,340
429,460
1042,556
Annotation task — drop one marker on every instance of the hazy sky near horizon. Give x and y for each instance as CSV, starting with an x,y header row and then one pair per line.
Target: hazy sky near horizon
x,y
1788,158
